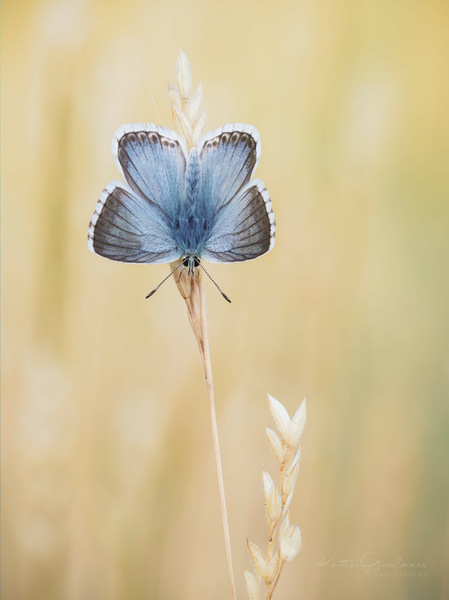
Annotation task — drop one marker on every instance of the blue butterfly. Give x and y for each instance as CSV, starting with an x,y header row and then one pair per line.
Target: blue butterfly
x,y
175,204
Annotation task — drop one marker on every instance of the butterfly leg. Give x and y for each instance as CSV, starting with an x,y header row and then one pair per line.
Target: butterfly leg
x,y
180,275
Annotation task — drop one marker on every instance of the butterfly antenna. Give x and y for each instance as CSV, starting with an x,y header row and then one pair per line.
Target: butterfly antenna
x,y
165,279
215,283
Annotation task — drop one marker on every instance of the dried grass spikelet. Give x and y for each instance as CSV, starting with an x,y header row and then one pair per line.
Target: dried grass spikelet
x,y
189,122
290,543
284,539
186,107
252,585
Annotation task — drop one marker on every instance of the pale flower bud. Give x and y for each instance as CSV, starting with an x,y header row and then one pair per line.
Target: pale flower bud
x,y
285,524
276,444
181,124
174,96
280,417
184,76
198,131
194,106
288,501
294,459
252,586
272,568
267,484
297,425
290,543
290,478
267,570
259,560
274,504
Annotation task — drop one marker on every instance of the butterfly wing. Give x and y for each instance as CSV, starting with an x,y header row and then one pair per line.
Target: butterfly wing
x,y
228,157
153,162
240,210
127,228
132,222
245,229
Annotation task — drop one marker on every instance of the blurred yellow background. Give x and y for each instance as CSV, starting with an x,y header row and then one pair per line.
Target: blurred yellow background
x,y
109,484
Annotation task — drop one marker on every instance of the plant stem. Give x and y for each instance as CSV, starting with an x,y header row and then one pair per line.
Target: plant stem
x,y
192,290
210,392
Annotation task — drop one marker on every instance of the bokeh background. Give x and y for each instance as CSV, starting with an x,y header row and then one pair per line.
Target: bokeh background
x,y
109,487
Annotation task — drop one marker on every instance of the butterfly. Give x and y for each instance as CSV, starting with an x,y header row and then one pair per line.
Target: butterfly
x,y
175,204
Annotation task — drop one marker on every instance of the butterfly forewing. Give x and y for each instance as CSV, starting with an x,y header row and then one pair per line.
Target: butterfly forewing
x,y
153,162
228,158
243,220
134,224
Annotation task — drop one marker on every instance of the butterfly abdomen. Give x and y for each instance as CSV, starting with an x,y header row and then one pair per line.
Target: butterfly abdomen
x,y
192,234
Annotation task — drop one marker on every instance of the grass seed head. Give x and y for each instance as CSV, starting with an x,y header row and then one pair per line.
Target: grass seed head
x,y
274,504
297,425
258,558
290,543
184,76
252,586
290,479
276,444
280,417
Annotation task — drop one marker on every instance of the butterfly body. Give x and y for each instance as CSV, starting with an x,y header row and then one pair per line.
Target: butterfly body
x,y
195,222
180,204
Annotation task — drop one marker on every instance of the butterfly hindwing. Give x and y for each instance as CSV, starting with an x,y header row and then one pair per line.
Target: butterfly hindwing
x,y
127,228
245,227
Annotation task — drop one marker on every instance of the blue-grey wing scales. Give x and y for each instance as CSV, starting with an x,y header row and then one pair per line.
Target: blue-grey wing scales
x,y
242,221
127,228
132,221
153,162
